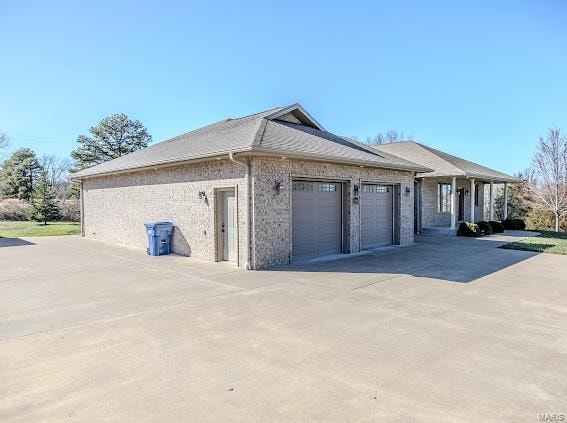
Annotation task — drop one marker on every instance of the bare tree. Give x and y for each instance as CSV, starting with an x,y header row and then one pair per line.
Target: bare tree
x,y
547,179
389,136
57,169
4,143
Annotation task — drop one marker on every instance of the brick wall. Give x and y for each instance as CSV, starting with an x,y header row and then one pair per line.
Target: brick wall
x,y
272,212
116,207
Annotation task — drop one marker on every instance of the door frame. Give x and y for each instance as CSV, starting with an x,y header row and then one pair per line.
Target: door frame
x,y
219,211
417,206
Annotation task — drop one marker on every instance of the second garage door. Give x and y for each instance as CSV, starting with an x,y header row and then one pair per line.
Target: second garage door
x,y
316,219
376,208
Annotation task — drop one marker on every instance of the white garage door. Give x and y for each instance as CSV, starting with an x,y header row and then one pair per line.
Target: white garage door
x,y
316,219
376,208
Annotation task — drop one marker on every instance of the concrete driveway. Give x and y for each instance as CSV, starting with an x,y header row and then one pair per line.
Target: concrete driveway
x,y
449,329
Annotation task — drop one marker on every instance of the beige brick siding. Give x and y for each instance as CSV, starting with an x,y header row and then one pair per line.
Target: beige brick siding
x,y
116,207
272,212
431,217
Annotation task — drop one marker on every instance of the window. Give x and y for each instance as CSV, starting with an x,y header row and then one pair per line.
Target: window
x,y
375,188
444,194
476,194
302,186
327,187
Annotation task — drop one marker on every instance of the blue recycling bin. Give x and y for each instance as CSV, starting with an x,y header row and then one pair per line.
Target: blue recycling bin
x,y
159,238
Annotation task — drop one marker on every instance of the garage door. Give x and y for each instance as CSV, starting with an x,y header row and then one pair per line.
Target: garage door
x,y
376,208
316,219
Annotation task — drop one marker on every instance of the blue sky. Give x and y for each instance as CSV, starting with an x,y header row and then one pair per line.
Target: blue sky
x,y
479,79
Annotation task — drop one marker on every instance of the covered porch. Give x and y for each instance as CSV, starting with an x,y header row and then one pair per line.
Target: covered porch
x,y
442,203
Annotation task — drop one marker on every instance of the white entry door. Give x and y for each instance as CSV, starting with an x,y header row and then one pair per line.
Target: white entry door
x,y
228,226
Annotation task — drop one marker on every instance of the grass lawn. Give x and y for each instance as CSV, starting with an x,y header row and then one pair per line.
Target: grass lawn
x,y
9,229
547,242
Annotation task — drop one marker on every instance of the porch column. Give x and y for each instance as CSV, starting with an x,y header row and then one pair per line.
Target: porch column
x,y
453,203
505,212
472,197
491,202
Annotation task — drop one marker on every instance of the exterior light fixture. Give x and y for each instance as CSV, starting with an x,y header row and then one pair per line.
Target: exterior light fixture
x,y
408,191
356,191
278,187
202,195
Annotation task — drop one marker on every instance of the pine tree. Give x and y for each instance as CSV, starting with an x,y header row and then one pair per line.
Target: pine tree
x,y
18,174
44,206
114,136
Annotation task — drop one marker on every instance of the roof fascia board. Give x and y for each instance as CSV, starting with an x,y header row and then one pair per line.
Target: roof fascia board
x,y
161,164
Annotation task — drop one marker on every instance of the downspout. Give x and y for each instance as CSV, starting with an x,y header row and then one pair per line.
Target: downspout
x,y
82,208
247,210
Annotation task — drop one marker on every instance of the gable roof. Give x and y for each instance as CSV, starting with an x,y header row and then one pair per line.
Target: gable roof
x,y
283,131
443,164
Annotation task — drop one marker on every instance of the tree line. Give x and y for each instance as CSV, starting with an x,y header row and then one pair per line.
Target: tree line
x,y
43,183
540,199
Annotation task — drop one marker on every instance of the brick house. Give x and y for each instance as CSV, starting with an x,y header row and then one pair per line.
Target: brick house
x,y
261,190
455,190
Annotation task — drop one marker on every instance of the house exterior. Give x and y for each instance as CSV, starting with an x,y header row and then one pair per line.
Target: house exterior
x,y
454,191
275,188
261,190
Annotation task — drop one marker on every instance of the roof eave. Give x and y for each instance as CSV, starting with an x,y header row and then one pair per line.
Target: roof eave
x,y
158,164
333,159
262,150
496,179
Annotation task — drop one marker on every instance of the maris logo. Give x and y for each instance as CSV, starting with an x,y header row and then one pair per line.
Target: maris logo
x,y
551,417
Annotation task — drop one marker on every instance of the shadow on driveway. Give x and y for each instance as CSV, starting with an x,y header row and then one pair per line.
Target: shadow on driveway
x,y
448,258
14,242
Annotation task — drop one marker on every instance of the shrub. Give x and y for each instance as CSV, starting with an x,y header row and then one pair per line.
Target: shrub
x,y
468,229
70,211
520,224
13,210
508,224
485,227
514,224
497,227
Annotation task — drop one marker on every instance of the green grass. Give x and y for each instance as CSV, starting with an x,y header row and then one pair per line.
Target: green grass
x,y
9,229
547,242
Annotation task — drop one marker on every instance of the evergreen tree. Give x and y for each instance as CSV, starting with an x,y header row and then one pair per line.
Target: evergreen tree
x,y
114,136
18,174
44,206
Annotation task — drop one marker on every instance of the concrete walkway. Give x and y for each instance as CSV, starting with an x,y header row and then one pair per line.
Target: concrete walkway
x,y
449,329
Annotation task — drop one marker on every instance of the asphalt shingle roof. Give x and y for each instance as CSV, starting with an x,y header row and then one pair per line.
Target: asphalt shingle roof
x,y
443,164
260,132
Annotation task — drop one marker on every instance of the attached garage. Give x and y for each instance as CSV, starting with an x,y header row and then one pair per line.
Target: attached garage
x,y
316,219
377,215
259,191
